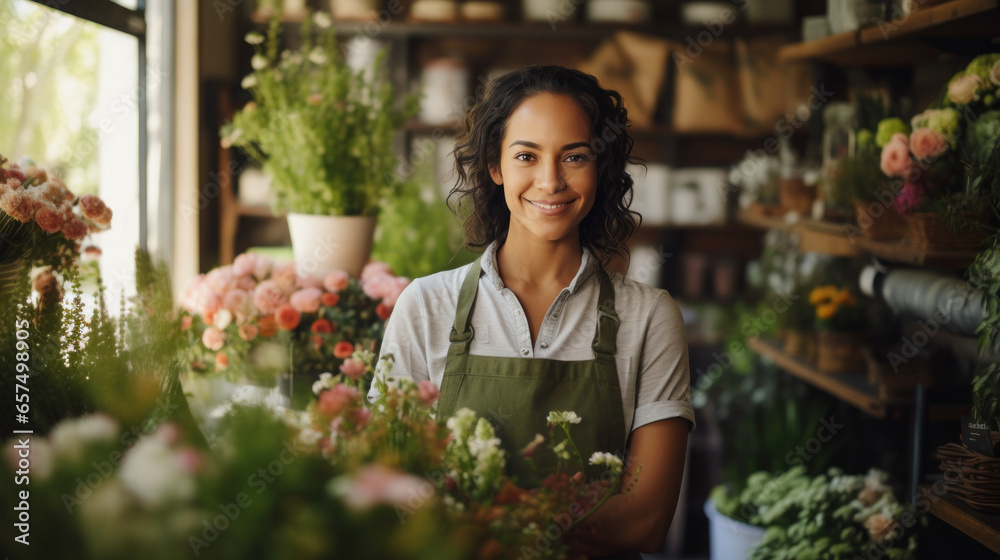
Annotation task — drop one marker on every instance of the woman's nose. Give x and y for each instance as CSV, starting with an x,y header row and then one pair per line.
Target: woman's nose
x,y
550,177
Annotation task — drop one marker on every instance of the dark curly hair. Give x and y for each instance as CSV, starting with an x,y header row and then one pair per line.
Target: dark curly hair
x,y
480,201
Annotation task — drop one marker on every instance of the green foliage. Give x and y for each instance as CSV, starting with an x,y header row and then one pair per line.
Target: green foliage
x,y
323,131
417,232
984,275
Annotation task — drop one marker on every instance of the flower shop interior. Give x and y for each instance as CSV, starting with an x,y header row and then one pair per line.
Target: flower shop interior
x,y
210,208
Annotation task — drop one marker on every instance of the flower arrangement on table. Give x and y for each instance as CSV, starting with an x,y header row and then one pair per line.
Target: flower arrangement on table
x,y
838,318
345,478
322,130
42,221
232,311
833,515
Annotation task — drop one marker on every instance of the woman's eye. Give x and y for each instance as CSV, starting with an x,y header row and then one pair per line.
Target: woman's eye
x,y
523,157
576,158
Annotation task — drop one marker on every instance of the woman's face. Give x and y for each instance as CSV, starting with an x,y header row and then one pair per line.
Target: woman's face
x,y
547,168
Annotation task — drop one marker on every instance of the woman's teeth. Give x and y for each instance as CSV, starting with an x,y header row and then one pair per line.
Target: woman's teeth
x,y
548,206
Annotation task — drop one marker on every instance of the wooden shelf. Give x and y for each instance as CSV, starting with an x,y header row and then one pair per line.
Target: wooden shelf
x,y
983,527
902,252
962,25
853,389
815,236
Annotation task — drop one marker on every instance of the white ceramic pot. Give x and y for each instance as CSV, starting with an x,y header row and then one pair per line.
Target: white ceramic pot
x,y
325,243
543,10
730,539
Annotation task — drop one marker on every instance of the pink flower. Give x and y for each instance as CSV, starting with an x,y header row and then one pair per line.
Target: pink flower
x,y
246,283
926,144
221,279
307,300
17,204
385,287
373,268
186,322
963,90
93,207
213,339
376,484
248,332
285,276
427,392
336,281
75,229
262,267
189,460
287,317
343,349
329,299
900,137
268,296
361,416
332,402
221,360
353,369
895,158
310,282
49,219
321,326
909,198
235,300
244,264
383,311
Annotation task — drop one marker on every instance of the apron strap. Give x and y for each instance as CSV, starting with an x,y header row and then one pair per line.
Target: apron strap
x,y
463,312
606,335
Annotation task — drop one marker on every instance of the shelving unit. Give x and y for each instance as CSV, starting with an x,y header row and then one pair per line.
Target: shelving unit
x,y
959,25
983,527
851,388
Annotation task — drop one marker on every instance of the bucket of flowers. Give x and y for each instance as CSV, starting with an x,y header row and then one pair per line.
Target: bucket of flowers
x,y
838,319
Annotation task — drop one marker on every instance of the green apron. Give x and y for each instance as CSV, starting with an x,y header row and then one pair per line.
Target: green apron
x,y
516,394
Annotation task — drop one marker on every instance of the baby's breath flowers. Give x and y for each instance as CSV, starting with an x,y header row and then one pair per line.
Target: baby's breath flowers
x,y
608,460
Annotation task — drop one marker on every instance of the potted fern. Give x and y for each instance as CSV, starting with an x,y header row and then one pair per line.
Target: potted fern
x,y
324,133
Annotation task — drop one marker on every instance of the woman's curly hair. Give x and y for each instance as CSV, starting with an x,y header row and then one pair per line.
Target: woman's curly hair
x,y
608,226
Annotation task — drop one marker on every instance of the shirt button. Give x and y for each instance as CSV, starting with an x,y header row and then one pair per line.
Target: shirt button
x,y
545,345
555,315
525,351
517,312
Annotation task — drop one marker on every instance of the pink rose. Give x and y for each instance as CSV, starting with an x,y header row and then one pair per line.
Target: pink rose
x,y
926,144
376,286
246,283
213,339
92,206
244,264
336,281
221,279
900,137
17,204
285,276
353,369
963,90
235,300
307,300
393,289
377,484
374,268
221,360
268,296
895,159
75,229
427,392
332,402
49,219
248,332
262,267
310,282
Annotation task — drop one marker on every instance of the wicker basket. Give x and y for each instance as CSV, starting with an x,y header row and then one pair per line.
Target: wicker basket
x,y
838,352
970,476
927,230
886,226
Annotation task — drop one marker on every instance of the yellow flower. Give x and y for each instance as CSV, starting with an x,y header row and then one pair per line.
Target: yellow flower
x,y
826,311
822,294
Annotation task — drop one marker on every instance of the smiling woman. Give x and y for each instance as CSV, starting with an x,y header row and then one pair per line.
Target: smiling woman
x,y
538,322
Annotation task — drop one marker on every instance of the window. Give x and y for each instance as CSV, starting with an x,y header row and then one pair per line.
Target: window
x,y
85,96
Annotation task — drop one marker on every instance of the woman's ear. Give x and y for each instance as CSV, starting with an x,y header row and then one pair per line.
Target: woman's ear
x,y
496,176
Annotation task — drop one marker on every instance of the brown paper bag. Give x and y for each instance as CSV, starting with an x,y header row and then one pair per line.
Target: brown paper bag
x,y
636,67
769,88
707,97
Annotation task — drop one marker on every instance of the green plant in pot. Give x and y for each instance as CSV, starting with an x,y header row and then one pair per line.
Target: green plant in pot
x,y
323,132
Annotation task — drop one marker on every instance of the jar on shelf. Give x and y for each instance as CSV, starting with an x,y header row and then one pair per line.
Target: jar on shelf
x,y
445,90
838,143
620,11
365,10
547,10
434,10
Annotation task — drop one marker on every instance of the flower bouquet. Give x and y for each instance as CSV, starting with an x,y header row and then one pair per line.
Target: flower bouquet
x,y
42,222
838,318
258,319
834,515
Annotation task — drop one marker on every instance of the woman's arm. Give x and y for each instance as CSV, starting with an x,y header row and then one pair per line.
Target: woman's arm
x,y
638,518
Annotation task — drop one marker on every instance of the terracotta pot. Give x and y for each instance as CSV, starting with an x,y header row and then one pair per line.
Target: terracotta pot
x,y
325,243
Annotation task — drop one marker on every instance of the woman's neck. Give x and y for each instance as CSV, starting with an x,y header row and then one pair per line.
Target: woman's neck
x,y
528,262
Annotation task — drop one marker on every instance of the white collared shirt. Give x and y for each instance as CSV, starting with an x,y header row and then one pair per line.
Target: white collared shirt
x,y
652,358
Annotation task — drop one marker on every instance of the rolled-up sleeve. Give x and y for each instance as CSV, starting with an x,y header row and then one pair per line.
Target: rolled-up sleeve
x,y
664,376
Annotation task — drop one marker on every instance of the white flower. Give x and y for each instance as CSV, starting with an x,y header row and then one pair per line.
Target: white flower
x,y
461,424
325,381
223,318
384,367
317,56
150,470
308,437
70,436
608,460
322,20
254,38
561,451
258,62
558,417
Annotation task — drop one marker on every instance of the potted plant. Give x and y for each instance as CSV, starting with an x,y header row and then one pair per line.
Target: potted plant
x,y
872,192
324,133
838,318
